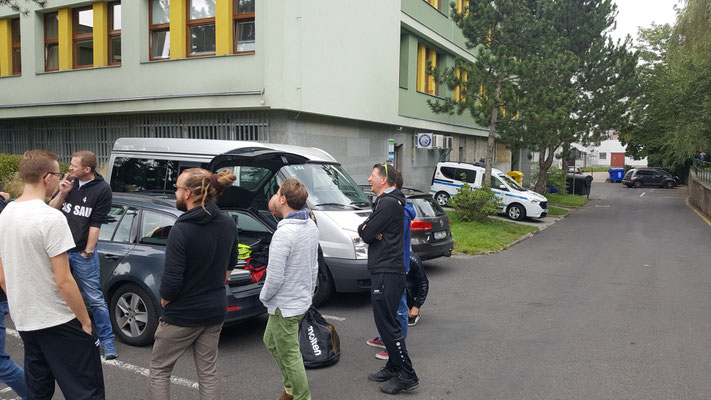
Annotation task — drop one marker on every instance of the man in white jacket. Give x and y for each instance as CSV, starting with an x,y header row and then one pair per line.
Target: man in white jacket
x,y
290,284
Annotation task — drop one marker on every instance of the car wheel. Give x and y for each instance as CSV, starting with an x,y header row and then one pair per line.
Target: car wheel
x,y
134,315
516,212
442,198
669,185
638,184
324,288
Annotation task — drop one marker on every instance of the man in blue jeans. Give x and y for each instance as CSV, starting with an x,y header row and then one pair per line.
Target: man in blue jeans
x,y
10,373
85,199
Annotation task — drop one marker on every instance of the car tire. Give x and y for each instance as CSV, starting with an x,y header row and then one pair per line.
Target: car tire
x,y
516,211
669,185
638,184
324,288
441,198
134,315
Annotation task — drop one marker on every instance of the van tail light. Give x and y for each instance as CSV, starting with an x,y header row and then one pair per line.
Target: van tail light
x,y
416,226
433,175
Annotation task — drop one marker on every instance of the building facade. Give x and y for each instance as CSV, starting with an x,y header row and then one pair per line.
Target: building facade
x,y
345,76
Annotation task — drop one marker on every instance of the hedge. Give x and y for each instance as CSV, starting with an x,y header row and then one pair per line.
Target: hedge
x,y
8,166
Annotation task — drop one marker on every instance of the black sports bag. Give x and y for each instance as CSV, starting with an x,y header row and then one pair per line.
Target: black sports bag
x,y
318,340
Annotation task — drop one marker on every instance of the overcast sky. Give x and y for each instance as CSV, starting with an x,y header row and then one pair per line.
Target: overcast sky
x,y
641,13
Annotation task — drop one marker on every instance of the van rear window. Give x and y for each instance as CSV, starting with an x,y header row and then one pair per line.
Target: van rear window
x,y
141,175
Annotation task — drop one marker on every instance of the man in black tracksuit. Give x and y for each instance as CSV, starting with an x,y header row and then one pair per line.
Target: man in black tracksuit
x,y
384,234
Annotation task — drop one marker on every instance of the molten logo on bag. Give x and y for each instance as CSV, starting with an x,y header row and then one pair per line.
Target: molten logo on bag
x,y
314,342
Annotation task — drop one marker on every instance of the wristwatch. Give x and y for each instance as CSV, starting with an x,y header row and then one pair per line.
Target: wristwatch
x,y
89,254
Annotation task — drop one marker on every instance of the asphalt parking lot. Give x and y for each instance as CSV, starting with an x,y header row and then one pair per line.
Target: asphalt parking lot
x,y
611,302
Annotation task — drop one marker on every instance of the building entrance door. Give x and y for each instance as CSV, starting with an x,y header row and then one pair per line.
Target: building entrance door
x,y
617,160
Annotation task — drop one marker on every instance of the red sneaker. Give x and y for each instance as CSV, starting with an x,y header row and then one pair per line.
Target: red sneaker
x,y
383,355
375,343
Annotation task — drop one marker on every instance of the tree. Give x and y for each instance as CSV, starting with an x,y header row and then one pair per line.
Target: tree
x,y
672,117
577,85
15,5
499,31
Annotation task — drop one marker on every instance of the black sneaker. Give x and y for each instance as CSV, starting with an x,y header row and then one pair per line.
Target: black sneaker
x,y
382,375
412,321
398,384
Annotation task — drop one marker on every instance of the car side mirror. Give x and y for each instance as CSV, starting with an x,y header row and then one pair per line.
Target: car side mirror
x,y
502,187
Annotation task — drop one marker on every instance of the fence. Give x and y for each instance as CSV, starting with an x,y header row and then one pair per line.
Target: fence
x,y
702,169
98,133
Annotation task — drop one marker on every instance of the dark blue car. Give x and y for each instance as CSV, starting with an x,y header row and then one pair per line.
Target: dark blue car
x,y
132,250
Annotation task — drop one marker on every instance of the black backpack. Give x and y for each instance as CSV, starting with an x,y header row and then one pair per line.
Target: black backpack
x,y
318,340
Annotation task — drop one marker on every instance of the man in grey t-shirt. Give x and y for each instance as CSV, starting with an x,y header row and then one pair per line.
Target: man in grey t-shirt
x,y
60,344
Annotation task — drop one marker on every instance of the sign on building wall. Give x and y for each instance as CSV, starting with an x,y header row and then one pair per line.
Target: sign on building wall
x,y
424,141
391,151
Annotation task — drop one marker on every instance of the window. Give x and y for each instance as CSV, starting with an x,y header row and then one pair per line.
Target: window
x,y
448,172
426,58
159,29
469,175
83,37
426,207
123,232
155,228
114,33
603,156
460,89
201,27
244,32
435,3
16,52
462,6
51,42
112,219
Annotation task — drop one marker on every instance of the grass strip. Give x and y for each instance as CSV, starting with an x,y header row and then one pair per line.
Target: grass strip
x,y
555,211
566,200
485,237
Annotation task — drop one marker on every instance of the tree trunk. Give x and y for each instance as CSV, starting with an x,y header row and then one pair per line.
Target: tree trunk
x,y
566,157
544,163
491,142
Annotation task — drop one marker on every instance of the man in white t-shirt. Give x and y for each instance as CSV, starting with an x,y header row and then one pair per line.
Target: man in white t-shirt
x,y
45,303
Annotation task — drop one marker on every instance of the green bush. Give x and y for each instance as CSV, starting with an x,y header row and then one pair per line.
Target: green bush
x,y
554,179
8,166
475,204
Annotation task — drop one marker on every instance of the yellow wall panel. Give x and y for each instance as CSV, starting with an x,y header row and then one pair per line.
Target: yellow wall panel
x,y
5,47
223,27
430,78
421,67
178,29
65,38
101,35
458,88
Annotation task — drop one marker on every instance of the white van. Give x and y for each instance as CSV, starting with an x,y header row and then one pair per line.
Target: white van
x,y
519,203
152,166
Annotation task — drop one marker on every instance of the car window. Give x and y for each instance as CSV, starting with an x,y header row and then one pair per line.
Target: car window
x,y
155,227
495,182
123,232
426,207
248,177
469,175
448,172
112,219
247,223
142,174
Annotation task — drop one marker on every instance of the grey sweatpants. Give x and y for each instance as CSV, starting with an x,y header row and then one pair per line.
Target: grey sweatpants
x,y
171,342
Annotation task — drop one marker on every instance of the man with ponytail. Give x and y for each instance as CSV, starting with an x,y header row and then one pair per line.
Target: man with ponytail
x,y
200,255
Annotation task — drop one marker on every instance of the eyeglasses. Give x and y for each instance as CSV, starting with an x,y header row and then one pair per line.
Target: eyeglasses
x,y
176,187
386,169
58,174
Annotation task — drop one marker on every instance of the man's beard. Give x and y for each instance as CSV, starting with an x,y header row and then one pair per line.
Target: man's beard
x,y
180,205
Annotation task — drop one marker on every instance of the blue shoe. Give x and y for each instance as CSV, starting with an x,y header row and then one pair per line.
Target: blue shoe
x,y
109,350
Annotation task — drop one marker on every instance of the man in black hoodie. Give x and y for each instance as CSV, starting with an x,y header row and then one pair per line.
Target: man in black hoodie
x,y
383,233
200,254
85,201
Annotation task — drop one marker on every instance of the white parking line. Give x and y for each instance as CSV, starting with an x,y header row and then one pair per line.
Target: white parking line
x,y
332,317
642,194
128,367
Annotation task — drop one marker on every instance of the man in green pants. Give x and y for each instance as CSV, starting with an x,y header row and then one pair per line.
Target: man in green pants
x,y
290,284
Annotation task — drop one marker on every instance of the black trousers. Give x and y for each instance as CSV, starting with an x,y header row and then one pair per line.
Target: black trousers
x,y
64,353
385,294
